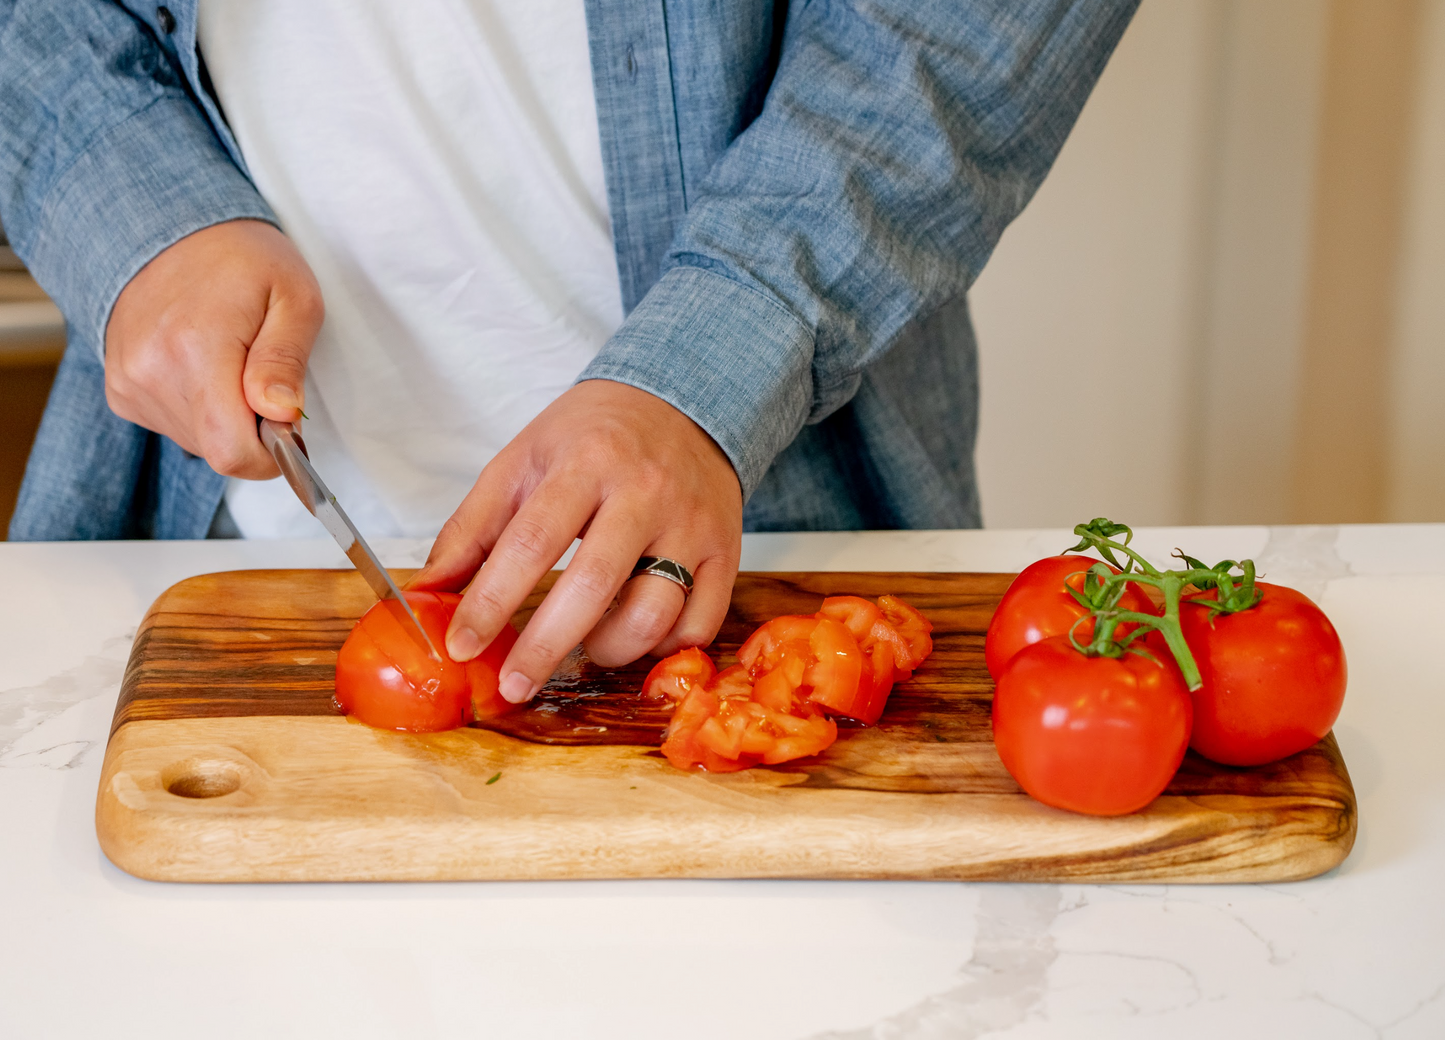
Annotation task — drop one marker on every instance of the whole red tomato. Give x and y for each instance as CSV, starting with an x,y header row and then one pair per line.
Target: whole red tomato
x,y
1094,735
1273,677
386,680
1036,606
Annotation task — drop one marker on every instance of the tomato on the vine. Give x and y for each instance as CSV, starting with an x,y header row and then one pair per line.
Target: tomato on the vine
x,y
1037,606
385,679
1096,735
1273,676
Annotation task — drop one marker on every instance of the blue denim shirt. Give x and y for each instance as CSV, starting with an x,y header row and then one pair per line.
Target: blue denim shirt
x,y
801,194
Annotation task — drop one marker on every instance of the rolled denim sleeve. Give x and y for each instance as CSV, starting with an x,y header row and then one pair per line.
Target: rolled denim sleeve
x,y
897,141
105,157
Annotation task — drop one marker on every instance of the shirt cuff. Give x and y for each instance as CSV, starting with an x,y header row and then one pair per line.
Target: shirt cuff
x,y
139,187
738,363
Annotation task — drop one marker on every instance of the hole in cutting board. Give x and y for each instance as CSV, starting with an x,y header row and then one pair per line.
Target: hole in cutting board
x,y
202,778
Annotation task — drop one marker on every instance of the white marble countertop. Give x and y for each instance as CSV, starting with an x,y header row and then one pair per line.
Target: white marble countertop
x,y
88,950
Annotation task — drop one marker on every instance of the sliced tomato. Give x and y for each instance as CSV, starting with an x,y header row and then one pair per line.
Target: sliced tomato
x,y
731,723
894,640
672,677
836,674
782,636
385,679
857,613
912,642
865,621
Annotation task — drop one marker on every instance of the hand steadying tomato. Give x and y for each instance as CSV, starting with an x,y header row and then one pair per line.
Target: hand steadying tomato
x,y
1037,606
1273,676
386,680
1096,735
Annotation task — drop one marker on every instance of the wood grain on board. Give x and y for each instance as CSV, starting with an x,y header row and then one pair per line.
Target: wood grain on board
x,y
229,762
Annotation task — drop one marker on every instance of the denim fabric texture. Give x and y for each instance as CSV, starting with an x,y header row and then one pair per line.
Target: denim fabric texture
x,y
801,195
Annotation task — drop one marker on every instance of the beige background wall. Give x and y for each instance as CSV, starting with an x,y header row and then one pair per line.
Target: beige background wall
x,y
1240,260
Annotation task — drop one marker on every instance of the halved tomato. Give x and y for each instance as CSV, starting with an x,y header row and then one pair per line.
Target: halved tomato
x,y
385,679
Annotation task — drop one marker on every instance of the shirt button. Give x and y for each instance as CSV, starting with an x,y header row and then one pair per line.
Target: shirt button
x,y
165,20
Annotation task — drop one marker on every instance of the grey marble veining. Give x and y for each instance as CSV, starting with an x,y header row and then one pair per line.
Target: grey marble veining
x,y
1003,983
24,710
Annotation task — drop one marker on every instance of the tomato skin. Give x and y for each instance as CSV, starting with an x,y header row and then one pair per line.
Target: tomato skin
x,y
1273,677
386,680
1036,607
672,677
1094,735
484,675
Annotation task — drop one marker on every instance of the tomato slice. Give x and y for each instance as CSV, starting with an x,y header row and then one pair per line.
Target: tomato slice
x,y
731,723
857,613
783,636
911,642
770,706
672,677
386,680
836,674
893,638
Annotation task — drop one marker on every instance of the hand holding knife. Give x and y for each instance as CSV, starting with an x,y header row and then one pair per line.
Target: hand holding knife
x,y
288,449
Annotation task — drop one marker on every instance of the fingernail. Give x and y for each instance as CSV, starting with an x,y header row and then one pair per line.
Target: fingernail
x,y
463,645
517,688
282,396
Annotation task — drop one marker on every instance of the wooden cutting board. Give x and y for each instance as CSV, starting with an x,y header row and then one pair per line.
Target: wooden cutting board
x,y
228,761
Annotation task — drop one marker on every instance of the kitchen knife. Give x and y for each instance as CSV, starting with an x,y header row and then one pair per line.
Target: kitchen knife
x,y
288,449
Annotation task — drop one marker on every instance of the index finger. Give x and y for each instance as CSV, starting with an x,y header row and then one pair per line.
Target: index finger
x,y
534,539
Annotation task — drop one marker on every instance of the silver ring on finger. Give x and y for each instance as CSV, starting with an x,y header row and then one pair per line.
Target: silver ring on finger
x,y
663,567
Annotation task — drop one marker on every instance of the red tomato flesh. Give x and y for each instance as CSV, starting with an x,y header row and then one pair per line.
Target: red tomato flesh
x,y
1273,677
731,722
386,680
1093,735
1036,606
673,677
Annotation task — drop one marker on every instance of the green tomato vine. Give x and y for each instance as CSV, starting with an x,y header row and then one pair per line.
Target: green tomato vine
x,y
1103,590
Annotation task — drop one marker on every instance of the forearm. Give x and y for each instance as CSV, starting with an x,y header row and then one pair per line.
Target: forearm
x,y
897,142
105,160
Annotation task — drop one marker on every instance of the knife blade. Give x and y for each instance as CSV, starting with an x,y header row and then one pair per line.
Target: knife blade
x,y
284,443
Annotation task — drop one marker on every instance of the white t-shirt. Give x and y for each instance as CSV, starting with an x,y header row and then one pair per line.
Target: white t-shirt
x,y
438,165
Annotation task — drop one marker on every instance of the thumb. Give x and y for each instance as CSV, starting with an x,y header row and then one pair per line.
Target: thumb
x,y
274,379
